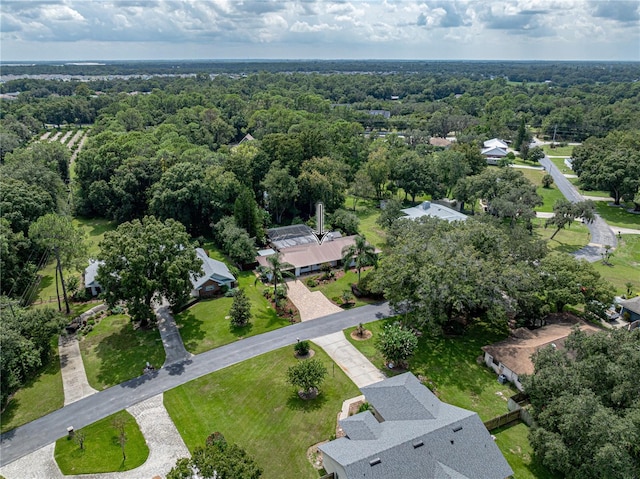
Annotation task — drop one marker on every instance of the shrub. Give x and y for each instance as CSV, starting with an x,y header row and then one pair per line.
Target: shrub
x,y
231,292
396,344
365,406
547,180
281,291
301,348
311,283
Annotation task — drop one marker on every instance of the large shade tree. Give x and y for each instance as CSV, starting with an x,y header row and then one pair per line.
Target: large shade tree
x,y
585,404
145,261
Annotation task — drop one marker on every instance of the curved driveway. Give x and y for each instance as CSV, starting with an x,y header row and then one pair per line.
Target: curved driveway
x,y
601,233
45,430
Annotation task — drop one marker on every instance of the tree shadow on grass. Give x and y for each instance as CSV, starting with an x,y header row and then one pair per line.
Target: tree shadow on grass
x,y
190,330
295,403
124,354
242,331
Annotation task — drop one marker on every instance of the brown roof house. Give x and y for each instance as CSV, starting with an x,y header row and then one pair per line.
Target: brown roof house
x,y
512,356
411,434
299,246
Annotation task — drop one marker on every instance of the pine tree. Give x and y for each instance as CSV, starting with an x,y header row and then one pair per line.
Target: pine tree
x,y
240,309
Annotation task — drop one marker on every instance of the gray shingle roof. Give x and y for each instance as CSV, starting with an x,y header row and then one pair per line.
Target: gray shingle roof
x,y
90,273
211,269
443,442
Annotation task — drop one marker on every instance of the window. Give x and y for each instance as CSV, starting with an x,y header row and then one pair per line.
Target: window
x,y
495,361
209,288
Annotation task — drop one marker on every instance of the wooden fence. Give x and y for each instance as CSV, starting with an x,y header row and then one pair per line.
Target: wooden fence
x,y
503,420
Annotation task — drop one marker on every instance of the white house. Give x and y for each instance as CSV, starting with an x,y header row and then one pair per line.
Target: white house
x,y
496,143
426,208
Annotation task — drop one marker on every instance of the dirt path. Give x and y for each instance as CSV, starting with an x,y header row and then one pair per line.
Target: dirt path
x,y
311,304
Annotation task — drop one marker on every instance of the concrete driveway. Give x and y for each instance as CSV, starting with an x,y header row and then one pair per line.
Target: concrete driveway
x,y
311,304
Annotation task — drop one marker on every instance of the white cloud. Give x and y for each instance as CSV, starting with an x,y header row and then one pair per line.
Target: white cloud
x,y
400,27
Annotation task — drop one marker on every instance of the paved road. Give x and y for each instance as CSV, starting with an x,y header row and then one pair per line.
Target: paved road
x,y
601,233
37,434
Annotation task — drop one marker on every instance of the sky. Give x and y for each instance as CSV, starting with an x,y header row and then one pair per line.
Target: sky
x,y
84,30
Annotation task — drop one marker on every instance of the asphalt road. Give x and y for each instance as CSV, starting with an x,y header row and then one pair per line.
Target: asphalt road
x,y
601,233
45,430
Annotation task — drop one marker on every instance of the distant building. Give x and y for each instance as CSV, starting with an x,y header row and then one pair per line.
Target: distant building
x,y
494,150
411,434
385,113
426,208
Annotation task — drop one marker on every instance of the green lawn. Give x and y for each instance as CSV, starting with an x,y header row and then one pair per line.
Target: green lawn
x,y
450,363
567,240
513,441
102,451
618,215
251,404
334,289
115,352
368,212
94,228
549,195
625,265
450,367
205,325
40,396
558,150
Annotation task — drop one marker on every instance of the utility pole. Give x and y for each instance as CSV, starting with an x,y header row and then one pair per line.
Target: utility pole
x,y
555,127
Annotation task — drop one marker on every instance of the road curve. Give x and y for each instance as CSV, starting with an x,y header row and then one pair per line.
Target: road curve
x,y
45,430
601,233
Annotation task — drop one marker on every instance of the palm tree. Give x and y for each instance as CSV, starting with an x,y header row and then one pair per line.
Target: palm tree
x,y
276,271
361,253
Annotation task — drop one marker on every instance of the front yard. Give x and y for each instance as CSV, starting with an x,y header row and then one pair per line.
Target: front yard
x,y
333,289
251,404
38,397
114,352
206,325
625,265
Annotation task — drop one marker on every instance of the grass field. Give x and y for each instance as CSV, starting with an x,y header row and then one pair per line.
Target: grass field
x,y
513,441
567,240
102,451
252,405
625,265
368,212
450,367
549,195
205,325
558,150
115,352
40,396
618,215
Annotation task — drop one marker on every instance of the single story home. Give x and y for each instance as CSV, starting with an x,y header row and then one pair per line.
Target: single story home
x,y
439,142
630,307
495,143
214,277
426,208
309,257
90,283
411,434
512,356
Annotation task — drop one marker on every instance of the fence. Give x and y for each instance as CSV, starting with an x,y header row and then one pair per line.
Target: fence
x,y
503,420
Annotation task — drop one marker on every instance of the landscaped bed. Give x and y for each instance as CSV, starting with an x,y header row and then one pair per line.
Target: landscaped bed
x,y
102,450
115,351
251,404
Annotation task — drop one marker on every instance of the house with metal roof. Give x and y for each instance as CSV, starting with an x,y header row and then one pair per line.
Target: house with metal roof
x,y
427,208
214,277
411,434
90,283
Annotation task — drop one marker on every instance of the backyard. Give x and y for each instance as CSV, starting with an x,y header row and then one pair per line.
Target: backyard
x,y
114,351
252,405
450,367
